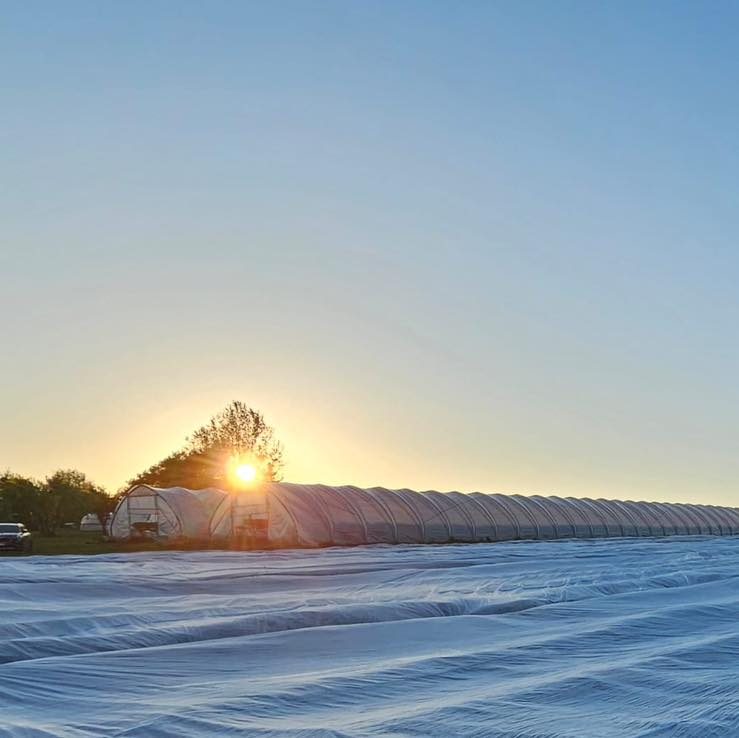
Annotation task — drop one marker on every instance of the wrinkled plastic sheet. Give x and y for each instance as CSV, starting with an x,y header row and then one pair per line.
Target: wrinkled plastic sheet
x,y
627,637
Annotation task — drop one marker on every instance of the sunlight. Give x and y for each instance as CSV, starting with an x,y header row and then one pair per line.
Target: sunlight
x,y
245,472
241,472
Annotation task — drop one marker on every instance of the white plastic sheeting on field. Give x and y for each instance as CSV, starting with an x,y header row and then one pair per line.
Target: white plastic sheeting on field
x,y
317,515
600,638
174,512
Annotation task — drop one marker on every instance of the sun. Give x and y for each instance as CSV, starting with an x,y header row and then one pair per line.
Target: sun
x,y
245,473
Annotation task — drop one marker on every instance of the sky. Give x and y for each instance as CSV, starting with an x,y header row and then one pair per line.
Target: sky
x,y
478,246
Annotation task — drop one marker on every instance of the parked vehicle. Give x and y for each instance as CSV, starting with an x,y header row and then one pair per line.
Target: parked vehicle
x,y
15,537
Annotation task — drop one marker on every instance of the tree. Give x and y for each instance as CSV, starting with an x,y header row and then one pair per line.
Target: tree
x,y
20,499
68,495
64,497
237,432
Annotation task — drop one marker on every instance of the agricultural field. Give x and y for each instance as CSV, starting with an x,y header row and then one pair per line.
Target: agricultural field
x,y
609,637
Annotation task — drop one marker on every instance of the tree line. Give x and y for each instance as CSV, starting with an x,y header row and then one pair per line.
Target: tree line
x,y
236,434
63,497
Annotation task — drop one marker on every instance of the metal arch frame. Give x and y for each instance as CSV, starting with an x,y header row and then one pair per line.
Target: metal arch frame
x,y
606,515
128,514
700,521
516,525
685,515
722,513
638,513
733,515
158,507
564,509
125,496
575,502
314,495
226,499
492,499
627,513
708,524
700,513
121,499
359,492
155,494
725,528
458,506
400,496
646,517
501,500
486,513
156,512
719,513
690,515
709,509
286,508
351,507
538,500
572,502
590,503
615,512
385,509
715,519
652,512
517,500
440,512
670,516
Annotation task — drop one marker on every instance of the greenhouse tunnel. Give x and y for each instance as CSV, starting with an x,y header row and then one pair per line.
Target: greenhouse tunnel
x,y
281,515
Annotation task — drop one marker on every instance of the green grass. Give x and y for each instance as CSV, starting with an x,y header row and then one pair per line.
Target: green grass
x,y
76,542
67,541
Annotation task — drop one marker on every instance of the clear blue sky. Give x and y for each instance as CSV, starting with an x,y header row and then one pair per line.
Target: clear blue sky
x,y
466,245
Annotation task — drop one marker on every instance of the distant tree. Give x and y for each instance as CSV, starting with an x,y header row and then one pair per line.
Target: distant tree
x,y
237,432
64,497
20,499
68,495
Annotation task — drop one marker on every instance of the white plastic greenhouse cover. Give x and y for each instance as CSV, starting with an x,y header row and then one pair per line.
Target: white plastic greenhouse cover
x,y
91,523
178,512
317,515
